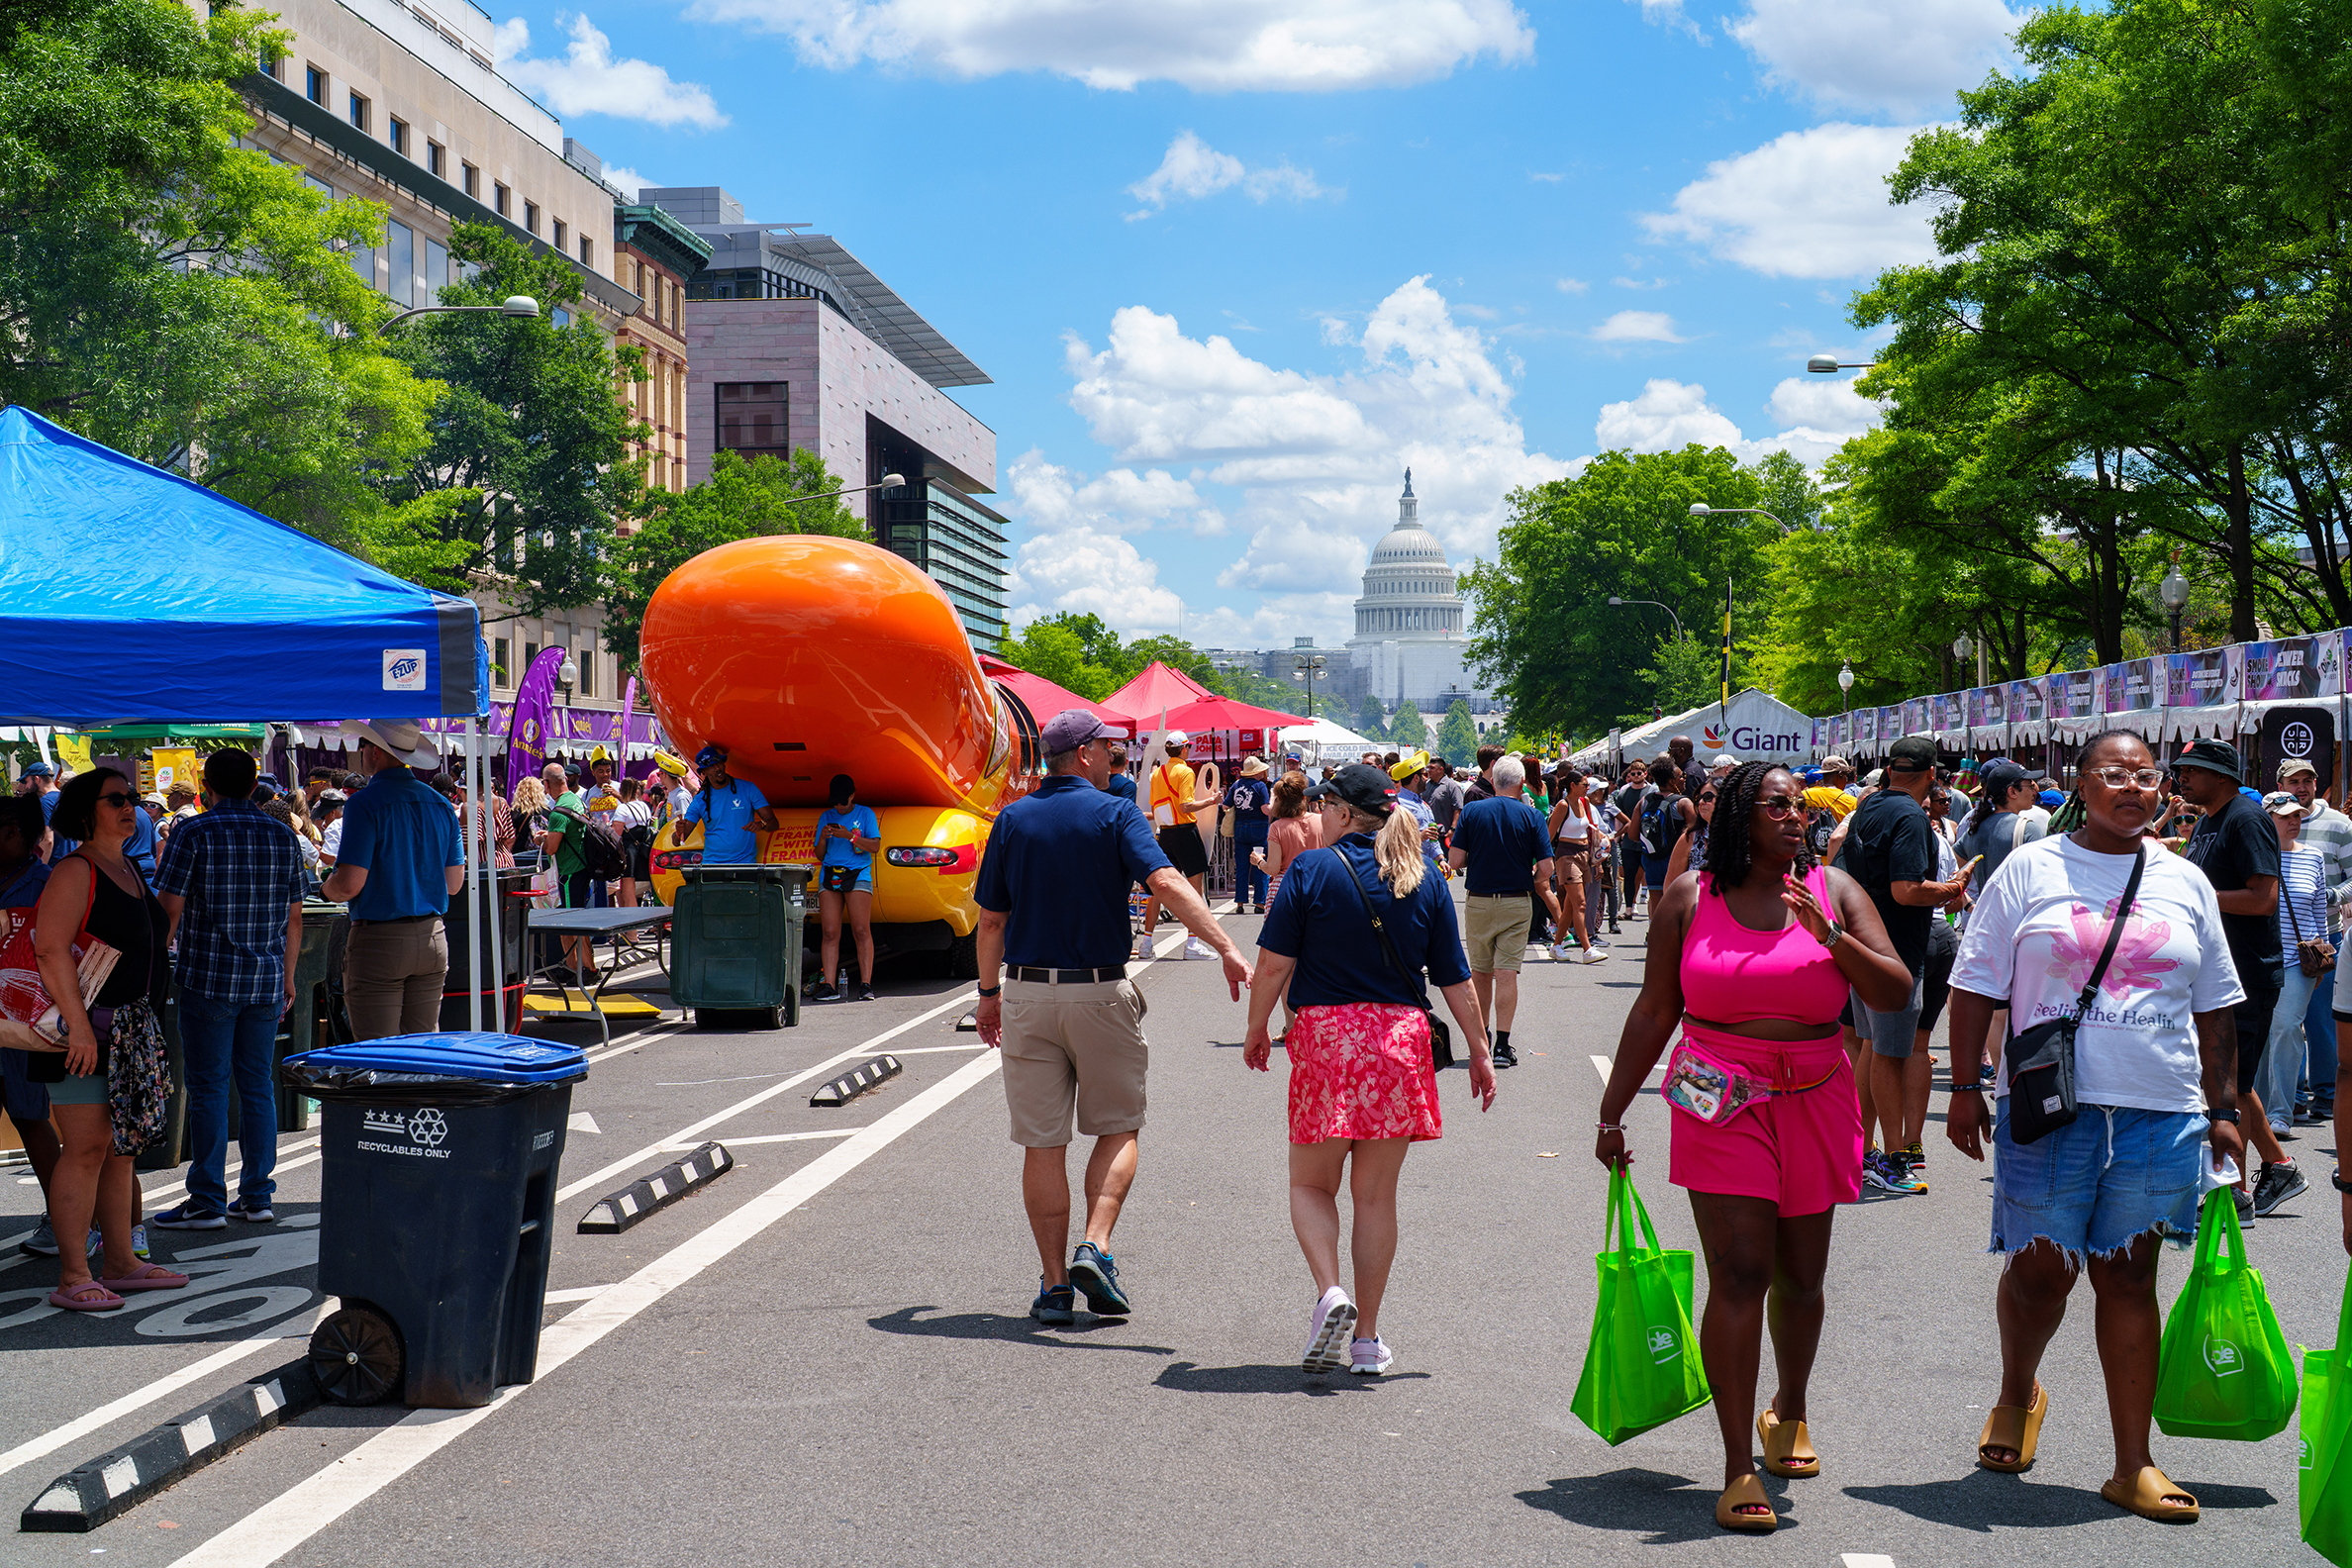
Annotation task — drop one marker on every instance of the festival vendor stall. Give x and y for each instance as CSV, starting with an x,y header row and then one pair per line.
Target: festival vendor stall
x,y
1756,726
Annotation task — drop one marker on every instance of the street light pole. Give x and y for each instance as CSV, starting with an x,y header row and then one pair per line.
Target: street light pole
x,y
1829,364
1845,688
888,481
1305,667
2174,590
1669,609
516,305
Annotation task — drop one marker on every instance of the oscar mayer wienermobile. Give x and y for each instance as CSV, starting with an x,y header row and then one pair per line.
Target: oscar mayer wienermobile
x,y
806,656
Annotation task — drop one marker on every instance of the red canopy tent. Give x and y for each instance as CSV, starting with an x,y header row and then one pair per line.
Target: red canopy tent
x,y
1043,697
1228,713
1159,689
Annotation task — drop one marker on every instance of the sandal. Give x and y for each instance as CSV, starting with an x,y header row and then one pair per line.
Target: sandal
x,y
145,1277
1746,1493
1787,1446
2016,1428
2149,1496
88,1295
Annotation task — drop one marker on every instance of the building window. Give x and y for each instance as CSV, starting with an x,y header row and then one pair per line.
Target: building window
x,y
436,160
562,232
400,257
436,271
313,85
396,129
531,216
587,252
588,673
359,111
531,654
273,65
503,200
471,178
560,315
752,417
498,662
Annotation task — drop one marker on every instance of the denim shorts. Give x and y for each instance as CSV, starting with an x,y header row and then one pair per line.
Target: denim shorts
x,y
2110,1175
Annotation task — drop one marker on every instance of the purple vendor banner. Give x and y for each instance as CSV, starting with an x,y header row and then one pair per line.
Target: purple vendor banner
x,y
534,709
2292,669
1891,724
1915,715
2026,702
2074,694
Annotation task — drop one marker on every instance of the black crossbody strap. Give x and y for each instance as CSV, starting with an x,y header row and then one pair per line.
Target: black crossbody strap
x,y
2106,954
2286,897
1388,949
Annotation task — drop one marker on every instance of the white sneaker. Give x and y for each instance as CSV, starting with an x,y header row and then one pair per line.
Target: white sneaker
x,y
1328,1332
1369,1357
1593,955
1560,952
1193,948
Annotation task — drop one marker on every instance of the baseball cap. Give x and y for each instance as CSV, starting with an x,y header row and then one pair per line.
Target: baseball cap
x,y
1836,764
2050,798
1072,727
2278,803
1362,786
1725,759
41,770
2218,756
1177,737
2294,765
332,798
707,755
1913,754
2002,774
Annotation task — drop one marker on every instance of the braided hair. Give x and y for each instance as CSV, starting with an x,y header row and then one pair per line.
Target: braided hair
x,y
1729,854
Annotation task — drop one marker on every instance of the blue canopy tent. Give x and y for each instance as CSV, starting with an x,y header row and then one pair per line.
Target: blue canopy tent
x,y
130,594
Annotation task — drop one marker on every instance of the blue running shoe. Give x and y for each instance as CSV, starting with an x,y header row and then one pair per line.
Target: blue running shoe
x,y
187,1216
1053,1304
1097,1276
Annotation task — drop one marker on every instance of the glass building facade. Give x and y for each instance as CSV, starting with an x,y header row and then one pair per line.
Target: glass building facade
x,y
960,543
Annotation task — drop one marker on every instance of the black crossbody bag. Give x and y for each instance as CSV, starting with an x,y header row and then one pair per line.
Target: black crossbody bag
x,y
2043,1071
1441,1036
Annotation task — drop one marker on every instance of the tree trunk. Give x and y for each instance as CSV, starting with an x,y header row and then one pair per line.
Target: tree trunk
x,y
2239,506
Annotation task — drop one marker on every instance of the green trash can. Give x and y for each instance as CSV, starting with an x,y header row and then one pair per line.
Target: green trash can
x,y
735,942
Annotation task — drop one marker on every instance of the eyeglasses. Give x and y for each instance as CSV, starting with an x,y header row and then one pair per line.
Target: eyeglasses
x,y
1706,798
2126,778
1780,807
118,800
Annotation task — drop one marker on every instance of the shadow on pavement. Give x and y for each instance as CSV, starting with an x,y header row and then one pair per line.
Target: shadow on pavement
x,y
1006,1331
1981,1499
1664,1510
2214,1495
1187,1377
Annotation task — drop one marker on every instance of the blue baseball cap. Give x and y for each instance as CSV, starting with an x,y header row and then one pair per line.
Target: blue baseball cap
x,y
707,756
2050,798
41,770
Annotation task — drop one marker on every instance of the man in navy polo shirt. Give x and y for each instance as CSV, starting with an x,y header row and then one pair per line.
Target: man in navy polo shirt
x,y
399,864
1501,843
1053,892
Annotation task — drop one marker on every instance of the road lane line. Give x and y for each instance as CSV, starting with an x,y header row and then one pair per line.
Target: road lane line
x,y
230,1168
1600,1065
287,1521
1867,1560
689,1131
766,1137
933,1051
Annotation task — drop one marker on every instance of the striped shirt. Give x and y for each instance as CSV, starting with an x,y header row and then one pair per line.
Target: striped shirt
x,y
2302,895
2329,831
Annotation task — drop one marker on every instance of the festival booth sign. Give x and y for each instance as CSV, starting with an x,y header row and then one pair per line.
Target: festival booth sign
x,y
1319,740
2131,697
2201,691
2074,705
1917,717
2028,713
216,615
1947,720
1890,728
1988,719
2290,690
1755,726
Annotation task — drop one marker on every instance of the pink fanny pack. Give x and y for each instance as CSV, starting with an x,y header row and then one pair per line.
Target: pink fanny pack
x,y
1715,1091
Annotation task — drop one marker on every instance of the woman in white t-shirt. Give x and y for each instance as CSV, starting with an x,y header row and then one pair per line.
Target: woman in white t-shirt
x,y
2156,1049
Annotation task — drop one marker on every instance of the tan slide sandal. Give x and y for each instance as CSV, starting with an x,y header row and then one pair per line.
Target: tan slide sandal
x,y
1746,1493
2016,1428
1787,1446
2150,1495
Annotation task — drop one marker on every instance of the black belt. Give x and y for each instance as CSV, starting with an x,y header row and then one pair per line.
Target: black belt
x,y
1527,893
397,920
1067,976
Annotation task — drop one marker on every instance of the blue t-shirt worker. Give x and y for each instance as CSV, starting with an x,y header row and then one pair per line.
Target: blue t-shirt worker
x,y
732,811
232,881
847,835
398,864
1500,846
1056,998
1249,797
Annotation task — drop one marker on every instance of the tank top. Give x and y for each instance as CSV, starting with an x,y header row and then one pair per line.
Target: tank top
x,y
135,927
1733,975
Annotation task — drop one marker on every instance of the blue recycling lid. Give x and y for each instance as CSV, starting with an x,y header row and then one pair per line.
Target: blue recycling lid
x,y
494,1058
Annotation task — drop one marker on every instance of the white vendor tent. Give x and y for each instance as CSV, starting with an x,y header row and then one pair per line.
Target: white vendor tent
x,y
1323,741
1757,724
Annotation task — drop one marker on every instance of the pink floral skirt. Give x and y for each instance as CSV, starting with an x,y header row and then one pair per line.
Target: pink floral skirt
x,y
1361,1070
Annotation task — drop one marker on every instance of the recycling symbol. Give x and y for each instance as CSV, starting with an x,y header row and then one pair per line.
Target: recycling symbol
x,y
428,1127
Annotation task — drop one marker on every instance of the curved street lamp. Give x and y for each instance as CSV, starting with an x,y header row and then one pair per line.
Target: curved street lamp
x,y
1669,609
516,305
1700,509
1830,365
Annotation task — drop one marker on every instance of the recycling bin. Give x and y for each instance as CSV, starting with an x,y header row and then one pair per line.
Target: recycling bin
x,y
437,1211
514,926
735,941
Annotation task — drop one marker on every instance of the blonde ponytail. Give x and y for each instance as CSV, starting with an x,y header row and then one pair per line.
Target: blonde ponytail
x,y
1398,849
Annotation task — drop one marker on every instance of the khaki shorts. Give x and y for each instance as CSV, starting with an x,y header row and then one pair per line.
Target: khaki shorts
x,y
1568,860
1495,928
1073,1047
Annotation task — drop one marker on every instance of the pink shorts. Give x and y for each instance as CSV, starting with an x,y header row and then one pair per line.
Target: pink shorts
x,y
1801,1151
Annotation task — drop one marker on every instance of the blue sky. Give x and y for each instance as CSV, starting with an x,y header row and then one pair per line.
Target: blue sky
x,y
1233,264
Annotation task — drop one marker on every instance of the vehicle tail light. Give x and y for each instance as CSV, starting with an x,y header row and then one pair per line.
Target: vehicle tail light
x,y
947,862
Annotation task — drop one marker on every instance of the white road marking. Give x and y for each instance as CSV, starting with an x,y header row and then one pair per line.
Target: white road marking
x,y
931,1051
179,1184
766,1137
584,1293
294,1517
1867,1560
581,1121
688,1133
1600,1065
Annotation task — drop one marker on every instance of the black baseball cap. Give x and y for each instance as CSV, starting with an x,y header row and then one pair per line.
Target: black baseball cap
x,y
1360,785
2219,756
1912,754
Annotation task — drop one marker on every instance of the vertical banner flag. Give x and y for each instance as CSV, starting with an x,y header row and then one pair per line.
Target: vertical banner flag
x,y
620,739
534,709
1723,713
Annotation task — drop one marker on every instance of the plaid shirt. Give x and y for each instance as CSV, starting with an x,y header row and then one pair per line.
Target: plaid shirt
x,y
239,870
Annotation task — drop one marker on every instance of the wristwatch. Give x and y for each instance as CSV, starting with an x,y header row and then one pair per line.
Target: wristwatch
x,y
989,991
1836,936
2230,1115
2336,1177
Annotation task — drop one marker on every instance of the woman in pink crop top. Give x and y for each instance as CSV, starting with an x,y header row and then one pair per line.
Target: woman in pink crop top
x,y
1753,954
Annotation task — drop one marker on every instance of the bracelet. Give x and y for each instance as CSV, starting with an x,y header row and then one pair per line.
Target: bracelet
x,y
989,991
2336,1179
1610,1126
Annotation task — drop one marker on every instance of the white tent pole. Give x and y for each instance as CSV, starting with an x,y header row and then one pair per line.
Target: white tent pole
x,y
497,903
473,937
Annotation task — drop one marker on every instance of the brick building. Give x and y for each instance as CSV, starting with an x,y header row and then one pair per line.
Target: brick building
x,y
657,256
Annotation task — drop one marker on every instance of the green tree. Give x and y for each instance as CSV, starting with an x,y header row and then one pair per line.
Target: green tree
x,y
1681,675
744,497
1457,735
1408,730
1371,719
176,296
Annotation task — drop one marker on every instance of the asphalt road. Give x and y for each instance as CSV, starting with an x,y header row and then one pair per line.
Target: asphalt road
x,y
824,1356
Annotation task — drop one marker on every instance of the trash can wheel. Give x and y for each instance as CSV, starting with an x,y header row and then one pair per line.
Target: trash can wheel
x,y
355,1356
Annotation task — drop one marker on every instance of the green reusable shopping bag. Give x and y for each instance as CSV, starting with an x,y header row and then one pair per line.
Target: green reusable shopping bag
x,y
2223,1370
2324,1484
1642,1369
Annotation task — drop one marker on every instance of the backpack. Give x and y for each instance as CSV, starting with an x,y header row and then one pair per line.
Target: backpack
x,y
1818,831
601,854
1657,823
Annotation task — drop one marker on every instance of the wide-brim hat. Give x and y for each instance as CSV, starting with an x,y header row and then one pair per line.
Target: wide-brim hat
x,y
1255,767
402,738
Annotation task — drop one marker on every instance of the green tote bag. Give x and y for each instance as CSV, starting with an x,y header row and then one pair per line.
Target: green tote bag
x,y
2324,1483
2223,1369
1642,1369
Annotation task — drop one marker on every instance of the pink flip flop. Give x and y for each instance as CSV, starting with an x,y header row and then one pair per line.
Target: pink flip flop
x,y
88,1295
148,1276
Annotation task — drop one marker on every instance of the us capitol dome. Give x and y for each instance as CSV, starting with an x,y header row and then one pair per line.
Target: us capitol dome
x,y
1409,623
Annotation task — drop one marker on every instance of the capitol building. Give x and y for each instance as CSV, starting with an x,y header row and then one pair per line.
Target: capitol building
x,y
1409,624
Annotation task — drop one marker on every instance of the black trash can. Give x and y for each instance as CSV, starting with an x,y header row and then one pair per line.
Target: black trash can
x,y
437,1211
514,924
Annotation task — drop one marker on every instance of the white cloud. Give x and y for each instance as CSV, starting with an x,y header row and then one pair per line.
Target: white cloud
x,y
1669,13
1209,46
1807,204
1080,570
1191,170
1896,60
1316,457
588,80
1639,326
1572,285
1818,418
629,181
1548,179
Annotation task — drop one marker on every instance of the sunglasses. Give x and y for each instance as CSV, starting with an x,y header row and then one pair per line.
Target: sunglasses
x,y
1706,798
118,799
1780,807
